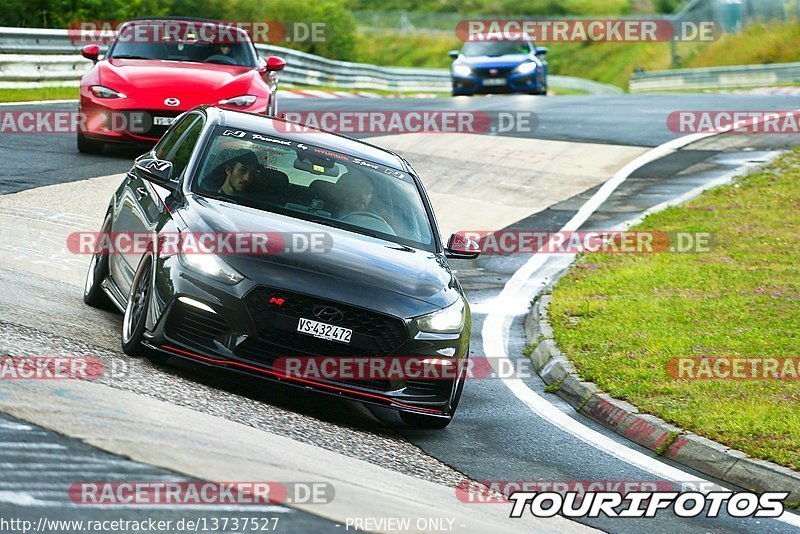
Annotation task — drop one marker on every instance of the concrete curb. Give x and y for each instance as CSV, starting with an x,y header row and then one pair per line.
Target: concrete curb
x,y
691,450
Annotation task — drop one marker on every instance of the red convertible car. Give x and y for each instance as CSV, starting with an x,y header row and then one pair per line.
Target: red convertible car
x,y
156,69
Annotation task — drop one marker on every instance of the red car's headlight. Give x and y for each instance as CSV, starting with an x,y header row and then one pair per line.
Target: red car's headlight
x,y
104,92
240,101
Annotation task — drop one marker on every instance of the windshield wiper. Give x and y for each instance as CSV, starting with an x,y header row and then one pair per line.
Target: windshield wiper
x,y
349,228
223,199
129,56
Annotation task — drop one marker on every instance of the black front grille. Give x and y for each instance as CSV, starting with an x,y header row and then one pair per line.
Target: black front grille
x,y
194,327
501,72
431,387
374,334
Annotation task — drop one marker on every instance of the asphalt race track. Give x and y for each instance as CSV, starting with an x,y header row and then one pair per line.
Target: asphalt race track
x,y
495,436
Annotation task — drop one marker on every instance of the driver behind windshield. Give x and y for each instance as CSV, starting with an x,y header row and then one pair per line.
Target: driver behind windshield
x,y
240,170
220,51
358,191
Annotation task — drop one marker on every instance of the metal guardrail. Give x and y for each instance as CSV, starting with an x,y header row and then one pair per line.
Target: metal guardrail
x,y
32,57
716,78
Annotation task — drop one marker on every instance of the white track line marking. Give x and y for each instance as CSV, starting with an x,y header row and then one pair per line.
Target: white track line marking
x,y
498,323
38,102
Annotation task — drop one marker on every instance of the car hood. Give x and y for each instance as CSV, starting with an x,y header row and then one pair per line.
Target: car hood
x,y
359,268
149,82
511,60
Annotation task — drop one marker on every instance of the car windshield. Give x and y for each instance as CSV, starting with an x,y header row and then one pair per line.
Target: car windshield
x,y
180,41
495,48
315,184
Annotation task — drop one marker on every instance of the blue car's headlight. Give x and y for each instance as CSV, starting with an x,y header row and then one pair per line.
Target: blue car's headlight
x,y
527,68
462,70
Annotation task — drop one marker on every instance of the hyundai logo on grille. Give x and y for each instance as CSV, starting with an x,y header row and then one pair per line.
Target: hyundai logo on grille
x,y
328,314
172,102
493,72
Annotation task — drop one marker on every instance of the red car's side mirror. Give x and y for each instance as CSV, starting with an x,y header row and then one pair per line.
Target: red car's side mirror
x,y
91,52
275,63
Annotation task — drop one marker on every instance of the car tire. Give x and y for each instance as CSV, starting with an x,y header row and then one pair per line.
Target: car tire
x,y
93,293
418,420
89,146
135,317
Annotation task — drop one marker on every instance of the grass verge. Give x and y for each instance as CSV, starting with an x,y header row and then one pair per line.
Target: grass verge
x,y
601,61
38,93
621,318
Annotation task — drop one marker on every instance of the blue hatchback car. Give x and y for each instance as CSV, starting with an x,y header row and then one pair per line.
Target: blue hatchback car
x,y
485,67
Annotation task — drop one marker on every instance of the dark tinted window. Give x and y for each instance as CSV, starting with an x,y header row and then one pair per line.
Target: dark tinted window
x,y
183,151
495,48
173,135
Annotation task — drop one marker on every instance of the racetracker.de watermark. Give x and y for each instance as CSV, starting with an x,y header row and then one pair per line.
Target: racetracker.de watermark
x,y
70,122
584,30
83,32
50,368
168,243
417,368
403,121
734,121
601,241
147,493
734,368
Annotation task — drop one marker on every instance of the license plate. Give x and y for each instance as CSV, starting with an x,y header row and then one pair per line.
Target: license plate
x,y
163,121
494,81
324,330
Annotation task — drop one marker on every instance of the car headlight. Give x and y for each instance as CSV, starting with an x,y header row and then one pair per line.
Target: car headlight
x,y
239,101
104,92
211,265
462,70
447,321
527,68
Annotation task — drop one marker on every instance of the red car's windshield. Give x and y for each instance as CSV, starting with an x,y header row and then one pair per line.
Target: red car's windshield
x,y
180,42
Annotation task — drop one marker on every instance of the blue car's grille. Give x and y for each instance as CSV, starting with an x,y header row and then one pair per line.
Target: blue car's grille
x,y
486,72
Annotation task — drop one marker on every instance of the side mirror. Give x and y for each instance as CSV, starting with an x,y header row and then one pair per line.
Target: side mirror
x,y
541,51
157,171
453,54
91,52
275,63
461,248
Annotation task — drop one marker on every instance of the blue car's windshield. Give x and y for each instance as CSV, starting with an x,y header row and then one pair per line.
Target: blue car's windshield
x,y
495,48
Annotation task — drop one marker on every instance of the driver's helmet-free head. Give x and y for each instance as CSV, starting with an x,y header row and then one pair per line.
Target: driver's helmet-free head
x,y
240,155
357,189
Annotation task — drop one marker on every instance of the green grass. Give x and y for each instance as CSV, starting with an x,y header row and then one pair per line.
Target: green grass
x,y
621,317
40,93
604,62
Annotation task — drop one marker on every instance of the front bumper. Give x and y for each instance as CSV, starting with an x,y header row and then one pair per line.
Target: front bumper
x,y
246,333
124,120
503,82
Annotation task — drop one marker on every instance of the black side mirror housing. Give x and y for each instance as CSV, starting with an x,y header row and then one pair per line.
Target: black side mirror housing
x,y
157,171
453,54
